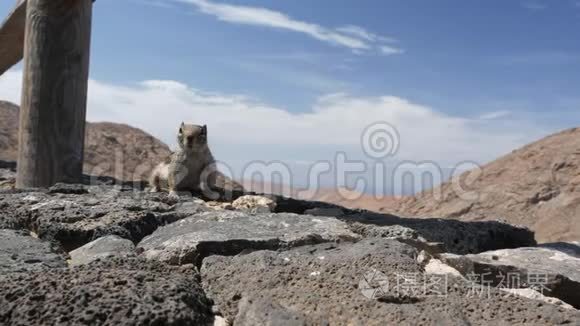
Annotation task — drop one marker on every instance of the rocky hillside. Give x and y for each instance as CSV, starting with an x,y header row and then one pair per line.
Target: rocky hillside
x,y
8,131
537,186
111,149
104,255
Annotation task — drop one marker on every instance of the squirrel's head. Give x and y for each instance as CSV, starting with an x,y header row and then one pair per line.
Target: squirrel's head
x,y
192,136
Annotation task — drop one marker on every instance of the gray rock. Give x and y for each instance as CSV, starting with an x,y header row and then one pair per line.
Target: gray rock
x,y
324,212
220,205
254,204
7,165
72,219
341,267
7,178
229,233
437,267
400,233
569,248
115,292
553,272
356,284
452,236
19,252
7,175
266,312
105,247
297,206
220,321
434,235
67,214
65,188
391,232
535,295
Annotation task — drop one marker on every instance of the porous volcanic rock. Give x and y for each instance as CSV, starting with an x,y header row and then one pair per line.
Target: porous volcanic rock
x,y
102,248
552,272
536,295
75,215
19,252
570,248
340,267
265,311
7,174
115,292
371,282
254,204
231,232
84,213
453,236
292,205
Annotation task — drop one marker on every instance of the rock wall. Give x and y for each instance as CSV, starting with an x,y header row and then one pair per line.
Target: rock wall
x,y
105,254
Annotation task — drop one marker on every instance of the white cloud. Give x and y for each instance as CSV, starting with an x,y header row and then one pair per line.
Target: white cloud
x,y
364,34
495,115
240,125
11,86
353,37
358,32
389,50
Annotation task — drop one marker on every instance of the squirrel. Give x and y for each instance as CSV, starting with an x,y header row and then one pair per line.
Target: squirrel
x,y
192,167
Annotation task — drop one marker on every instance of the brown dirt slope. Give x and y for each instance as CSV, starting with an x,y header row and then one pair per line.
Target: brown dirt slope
x,y
111,149
537,186
8,134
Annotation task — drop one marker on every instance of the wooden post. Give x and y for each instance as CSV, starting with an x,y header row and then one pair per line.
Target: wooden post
x,y
54,92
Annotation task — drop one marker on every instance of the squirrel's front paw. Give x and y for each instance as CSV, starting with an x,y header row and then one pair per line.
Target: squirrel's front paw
x,y
173,195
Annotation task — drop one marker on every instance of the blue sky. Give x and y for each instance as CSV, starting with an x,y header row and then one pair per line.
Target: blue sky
x,y
299,80
460,56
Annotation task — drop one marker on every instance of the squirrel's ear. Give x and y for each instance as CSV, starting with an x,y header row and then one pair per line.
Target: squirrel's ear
x,y
181,127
